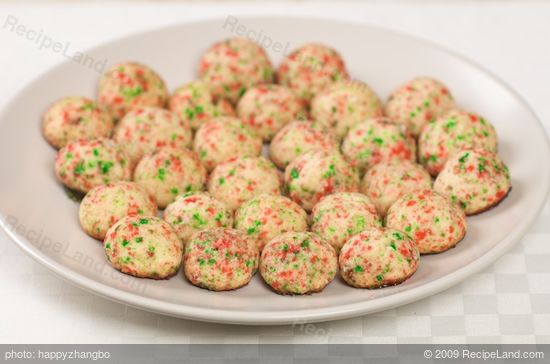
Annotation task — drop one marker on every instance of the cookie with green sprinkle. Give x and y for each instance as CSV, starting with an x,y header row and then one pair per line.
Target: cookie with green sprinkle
x,y
144,246
298,263
378,257
477,179
220,259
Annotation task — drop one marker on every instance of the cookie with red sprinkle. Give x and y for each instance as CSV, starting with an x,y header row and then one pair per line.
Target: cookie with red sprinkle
x,y
220,259
386,181
318,173
143,129
378,257
266,216
232,66
297,263
267,108
344,104
224,138
168,172
477,179
375,140
195,104
104,205
417,102
196,211
128,85
238,180
144,247
84,164
339,216
430,219
452,131
310,69
297,138
75,118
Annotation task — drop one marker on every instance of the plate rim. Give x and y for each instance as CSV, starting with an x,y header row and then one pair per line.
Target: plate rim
x,y
302,315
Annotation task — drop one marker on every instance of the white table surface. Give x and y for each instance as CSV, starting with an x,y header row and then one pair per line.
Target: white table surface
x,y
509,302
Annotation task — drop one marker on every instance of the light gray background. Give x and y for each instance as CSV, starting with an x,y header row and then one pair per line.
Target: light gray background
x,y
507,303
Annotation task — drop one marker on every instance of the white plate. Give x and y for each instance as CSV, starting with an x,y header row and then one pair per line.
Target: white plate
x,y
40,217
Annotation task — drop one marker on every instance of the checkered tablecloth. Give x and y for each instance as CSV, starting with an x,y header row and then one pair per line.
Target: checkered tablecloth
x,y
509,302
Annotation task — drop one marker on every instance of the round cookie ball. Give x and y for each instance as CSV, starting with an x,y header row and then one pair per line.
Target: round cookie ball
x,y
84,164
266,216
234,65
298,263
417,102
386,181
378,257
297,138
310,69
194,104
339,216
196,211
238,180
75,118
267,108
224,138
220,259
104,205
144,247
318,173
130,84
475,178
343,105
453,131
376,140
430,219
169,172
143,129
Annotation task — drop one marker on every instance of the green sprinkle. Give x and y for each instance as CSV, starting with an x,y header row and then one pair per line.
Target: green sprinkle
x,y
108,246
379,277
378,141
398,236
254,228
358,269
451,123
161,174
143,221
331,171
69,155
189,113
305,244
285,247
79,168
174,191
294,173
198,219
151,249
211,261
139,239
242,91
392,245
105,166
125,242
199,109
408,228
95,152
221,181
132,92
464,157
218,216
202,262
